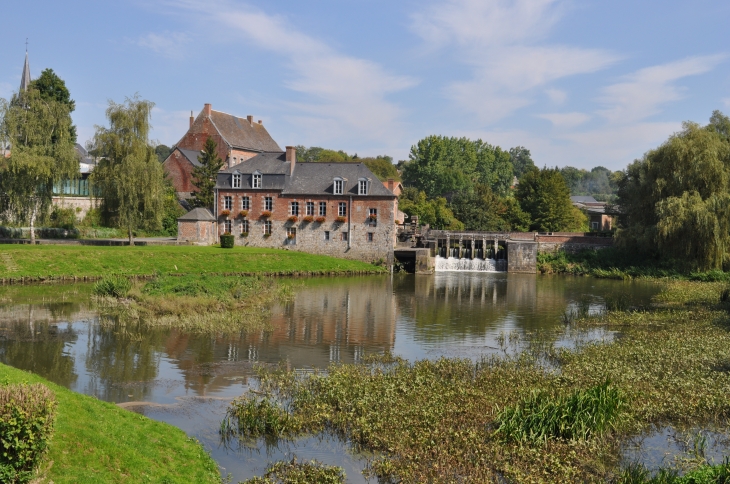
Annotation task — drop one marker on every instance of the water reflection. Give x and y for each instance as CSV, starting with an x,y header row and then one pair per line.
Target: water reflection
x,y
188,379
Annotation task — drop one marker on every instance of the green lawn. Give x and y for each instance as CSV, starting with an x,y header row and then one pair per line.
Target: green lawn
x,y
45,261
95,441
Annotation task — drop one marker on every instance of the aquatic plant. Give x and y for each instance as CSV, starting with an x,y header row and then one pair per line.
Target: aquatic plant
x,y
293,472
113,286
578,416
251,417
636,473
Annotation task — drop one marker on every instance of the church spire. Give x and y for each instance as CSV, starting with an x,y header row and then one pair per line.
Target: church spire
x,y
25,78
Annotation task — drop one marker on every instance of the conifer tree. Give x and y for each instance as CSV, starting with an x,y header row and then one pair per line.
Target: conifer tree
x,y
205,175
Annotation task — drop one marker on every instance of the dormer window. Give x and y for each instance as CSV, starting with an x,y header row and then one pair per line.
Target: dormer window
x,y
362,186
339,186
236,180
256,182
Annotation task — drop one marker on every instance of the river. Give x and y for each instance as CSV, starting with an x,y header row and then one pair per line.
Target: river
x,y
187,380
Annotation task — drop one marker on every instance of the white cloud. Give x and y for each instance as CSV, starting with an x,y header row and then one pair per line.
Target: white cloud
x,y
340,92
566,120
556,95
498,39
167,44
640,95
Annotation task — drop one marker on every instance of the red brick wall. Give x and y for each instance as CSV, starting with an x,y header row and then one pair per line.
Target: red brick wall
x,y
179,170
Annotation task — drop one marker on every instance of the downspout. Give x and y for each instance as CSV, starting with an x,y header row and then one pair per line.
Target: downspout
x,y
349,224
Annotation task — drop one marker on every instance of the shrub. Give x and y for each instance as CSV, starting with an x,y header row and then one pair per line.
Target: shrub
x,y
227,241
64,218
112,286
320,220
10,233
573,417
57,233
248,417
26,424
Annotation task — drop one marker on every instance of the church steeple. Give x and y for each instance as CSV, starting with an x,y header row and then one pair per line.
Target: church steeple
x,y
25,78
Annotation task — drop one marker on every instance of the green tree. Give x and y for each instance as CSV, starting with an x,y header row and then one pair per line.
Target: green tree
x,y
162,152
544,195
205,175
521,160
382,167
39,130
129,177
483,210
52,87
443,167
434,212
675,199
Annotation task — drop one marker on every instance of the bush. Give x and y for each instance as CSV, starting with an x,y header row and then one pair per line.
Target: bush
x,y
112,286
573,417
26,424
227,241
57,233
10,233
249,417
64,218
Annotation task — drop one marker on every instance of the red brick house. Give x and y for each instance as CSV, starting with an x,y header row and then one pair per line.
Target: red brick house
x,y
337,209
238,139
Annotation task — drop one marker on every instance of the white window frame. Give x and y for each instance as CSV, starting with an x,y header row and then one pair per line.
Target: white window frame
x,y
310,209
257,180
342,209
228,203
245,203
236,181
245,227
227,226
339,186
269,204
294,208
322,209
362,186
370,237
268,226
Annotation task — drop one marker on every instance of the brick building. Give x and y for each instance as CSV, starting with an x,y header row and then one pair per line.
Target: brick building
x,y
238,139
337,209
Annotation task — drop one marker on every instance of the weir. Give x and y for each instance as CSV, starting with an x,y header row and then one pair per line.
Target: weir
x,y
470,254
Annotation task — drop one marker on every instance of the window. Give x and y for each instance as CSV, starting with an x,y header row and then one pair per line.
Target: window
x,y
294,208
342,209
339,186
310,208
256,180
236,180
372,216
322,209
244,226
245,203
362,186
227,225
267,227
268,204
227,203
370,237
344,236
327,235
291,234
594,225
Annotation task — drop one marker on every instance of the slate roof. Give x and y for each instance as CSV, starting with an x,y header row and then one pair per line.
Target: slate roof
x,y
198,214
308,178
239,133
191,155
583,199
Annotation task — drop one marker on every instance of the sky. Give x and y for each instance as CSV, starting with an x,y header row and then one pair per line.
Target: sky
x,y
578,83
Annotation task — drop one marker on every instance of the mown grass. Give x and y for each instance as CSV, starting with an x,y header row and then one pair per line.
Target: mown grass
x,y
48,261
95,442
194,303
438,421
616,263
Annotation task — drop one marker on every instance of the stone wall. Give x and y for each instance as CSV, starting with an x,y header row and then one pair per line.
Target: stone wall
x,y
197,232
356,238
522,257
81,205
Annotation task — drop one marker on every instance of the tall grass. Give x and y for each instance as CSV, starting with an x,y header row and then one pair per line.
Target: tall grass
x,y
706,474
113,286
578,416
293,472
249,417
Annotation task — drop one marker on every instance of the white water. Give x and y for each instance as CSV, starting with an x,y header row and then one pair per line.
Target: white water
x,y
470,265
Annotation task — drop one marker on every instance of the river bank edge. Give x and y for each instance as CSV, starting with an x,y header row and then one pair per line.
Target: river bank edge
x,y
96,441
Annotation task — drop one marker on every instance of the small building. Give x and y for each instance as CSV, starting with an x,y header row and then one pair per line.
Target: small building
x,y
337,209
238,139
197,227
600,220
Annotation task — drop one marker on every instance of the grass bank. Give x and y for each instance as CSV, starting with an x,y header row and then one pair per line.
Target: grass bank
x,y
193,303
616,263
57,262
451,420
95,441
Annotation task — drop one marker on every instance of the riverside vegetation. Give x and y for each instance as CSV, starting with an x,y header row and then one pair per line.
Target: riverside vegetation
x,y
545,415
192,303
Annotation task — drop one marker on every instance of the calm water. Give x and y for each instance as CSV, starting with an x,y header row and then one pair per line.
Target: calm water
x,y
188,380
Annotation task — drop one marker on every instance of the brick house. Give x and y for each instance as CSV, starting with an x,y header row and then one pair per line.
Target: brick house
x,y
238,139
599,217
337,209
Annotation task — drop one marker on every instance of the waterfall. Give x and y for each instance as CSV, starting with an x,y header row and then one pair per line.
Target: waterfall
x,y
470,265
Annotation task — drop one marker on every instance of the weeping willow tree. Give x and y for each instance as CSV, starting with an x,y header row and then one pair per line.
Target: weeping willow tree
x,y
40,134
676,199
129,179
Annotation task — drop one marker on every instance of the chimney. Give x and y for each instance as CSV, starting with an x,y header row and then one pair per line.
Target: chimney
x,y
291,156
207,109
261,122
191,119
250,120
391,184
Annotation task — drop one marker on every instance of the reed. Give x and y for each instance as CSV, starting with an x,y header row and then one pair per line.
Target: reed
x,y
248,417
112,286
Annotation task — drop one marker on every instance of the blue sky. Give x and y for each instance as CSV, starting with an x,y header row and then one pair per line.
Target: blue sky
x,y
581,83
